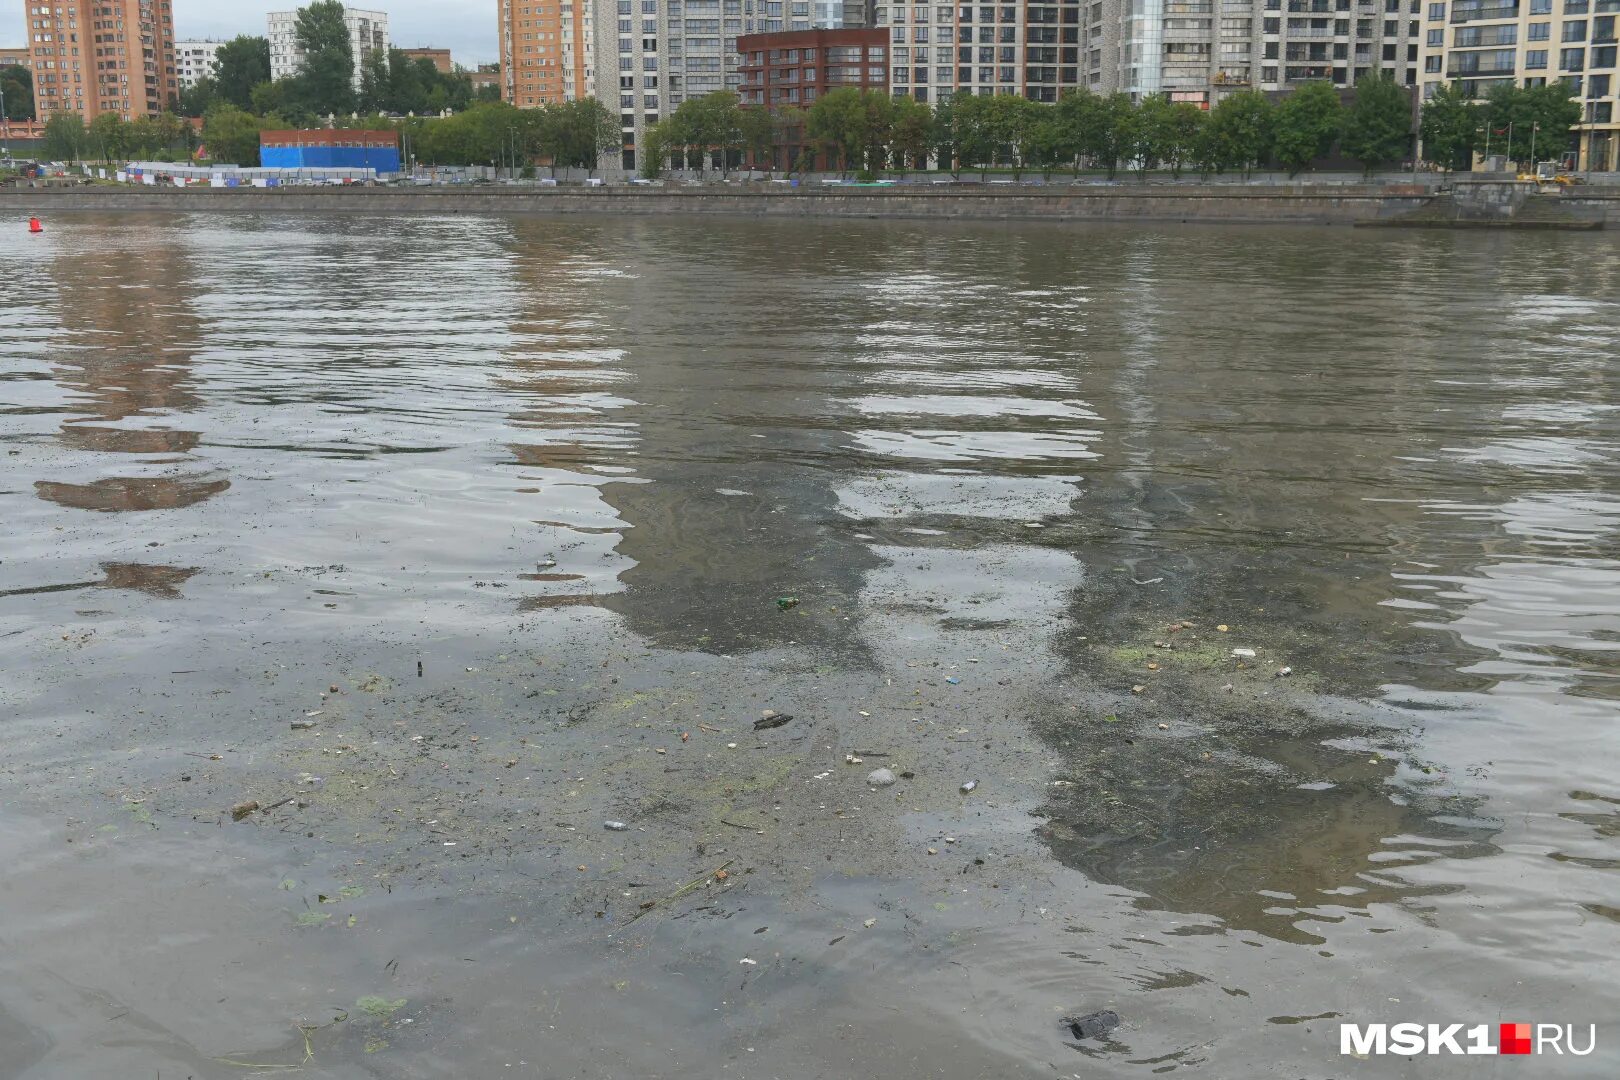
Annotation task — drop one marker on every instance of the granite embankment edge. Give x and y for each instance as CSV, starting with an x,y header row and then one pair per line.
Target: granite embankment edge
x,y
1300,204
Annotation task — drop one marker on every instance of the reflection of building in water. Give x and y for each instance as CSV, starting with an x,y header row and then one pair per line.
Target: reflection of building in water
x,y
656,406
132,376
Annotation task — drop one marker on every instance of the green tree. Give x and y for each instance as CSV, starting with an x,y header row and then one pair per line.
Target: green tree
x,y
974,130
910,132
241,64
942,136
1013,119
1530,122
325,79
376,83
198,98
1307,123
108,136
1378,127
1450,128
1074,115
1239,132
876,127
834,123
1152,134
1109,135
654,150
231,136
1044,147
758,129
1186,129
65,136
17,87
590,131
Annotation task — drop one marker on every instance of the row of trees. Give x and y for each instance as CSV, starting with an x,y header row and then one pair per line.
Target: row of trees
x,y
109,137
390,82
1523,123
868,131
568,135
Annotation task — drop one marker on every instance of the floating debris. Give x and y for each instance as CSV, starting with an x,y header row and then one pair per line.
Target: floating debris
x,y
1092,1025
615,826
969,786
880,778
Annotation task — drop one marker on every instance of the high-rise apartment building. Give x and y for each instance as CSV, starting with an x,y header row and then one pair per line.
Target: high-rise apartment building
x,y
195,60
1186,50
1024,48
651,55
1203,50
1483,44
368,33
96,56
547,50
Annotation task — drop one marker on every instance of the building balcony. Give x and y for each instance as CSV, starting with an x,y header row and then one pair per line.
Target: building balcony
x,y
1456,71
1482,14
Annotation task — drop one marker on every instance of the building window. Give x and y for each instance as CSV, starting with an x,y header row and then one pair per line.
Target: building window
x,y
1540,31
1535,60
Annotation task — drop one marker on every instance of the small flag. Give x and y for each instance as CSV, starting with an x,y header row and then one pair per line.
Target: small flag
x,y
201,151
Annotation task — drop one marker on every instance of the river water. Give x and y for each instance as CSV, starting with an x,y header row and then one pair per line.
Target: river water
x,y
1021,490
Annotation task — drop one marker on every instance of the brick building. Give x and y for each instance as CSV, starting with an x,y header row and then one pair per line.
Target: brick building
x,y
96,56
546,50
440,58
793,68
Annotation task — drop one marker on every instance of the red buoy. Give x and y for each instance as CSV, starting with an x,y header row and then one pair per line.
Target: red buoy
x,y
34,225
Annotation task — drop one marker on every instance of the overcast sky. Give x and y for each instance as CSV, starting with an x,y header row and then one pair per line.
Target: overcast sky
x,y
465,27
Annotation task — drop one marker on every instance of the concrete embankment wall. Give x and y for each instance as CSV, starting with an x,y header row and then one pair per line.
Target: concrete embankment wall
x,y
1338,204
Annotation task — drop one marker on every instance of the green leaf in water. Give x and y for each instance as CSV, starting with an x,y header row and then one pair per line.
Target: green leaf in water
x,y
374,1045
349,892
379,1008
287,884
310,918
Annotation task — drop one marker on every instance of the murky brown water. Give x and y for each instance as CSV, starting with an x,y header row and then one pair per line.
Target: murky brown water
x,y
571,465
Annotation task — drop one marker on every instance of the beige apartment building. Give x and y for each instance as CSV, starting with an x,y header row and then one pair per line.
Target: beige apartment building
x,y
96,56
1482,44
546,51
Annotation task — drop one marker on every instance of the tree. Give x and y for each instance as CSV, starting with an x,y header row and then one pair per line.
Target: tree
x,y
973,130
1530,122
758,129
65,136
1239,132
232,136
17,87
875,118
1450,128
376,82
199,97
942,136
835,123
1152,133
590,131
1012,119
1105,130
1044,147
325,79
241,64
1186,129
910,132
654,150
107,136
1307,123
1378,127
1075,114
